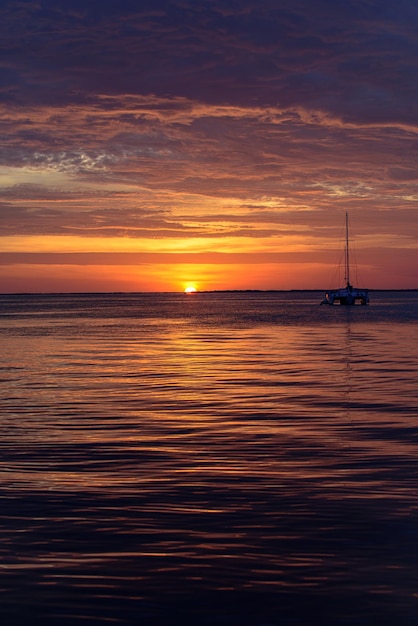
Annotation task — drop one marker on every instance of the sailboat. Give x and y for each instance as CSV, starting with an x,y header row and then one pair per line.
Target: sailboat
x,y
347,295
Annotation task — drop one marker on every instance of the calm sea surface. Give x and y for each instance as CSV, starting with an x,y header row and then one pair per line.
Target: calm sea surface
x,y
219,459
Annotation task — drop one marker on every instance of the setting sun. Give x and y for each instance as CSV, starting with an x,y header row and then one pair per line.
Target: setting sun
x,y
190,289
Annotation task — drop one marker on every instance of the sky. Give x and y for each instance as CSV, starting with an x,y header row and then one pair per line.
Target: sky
x,y
151,145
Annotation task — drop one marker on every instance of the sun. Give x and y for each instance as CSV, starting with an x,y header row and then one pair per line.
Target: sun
x,y
190,289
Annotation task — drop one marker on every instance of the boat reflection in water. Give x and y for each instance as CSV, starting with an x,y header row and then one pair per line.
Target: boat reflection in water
x,y
347,295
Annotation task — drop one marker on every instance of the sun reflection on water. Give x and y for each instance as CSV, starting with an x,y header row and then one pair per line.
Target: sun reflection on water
x,y
204,454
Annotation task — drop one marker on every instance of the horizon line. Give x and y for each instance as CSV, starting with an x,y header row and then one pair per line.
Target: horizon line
x,y
198,291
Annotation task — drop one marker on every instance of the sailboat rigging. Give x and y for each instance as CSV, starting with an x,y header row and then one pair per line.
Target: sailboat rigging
x,y
347,295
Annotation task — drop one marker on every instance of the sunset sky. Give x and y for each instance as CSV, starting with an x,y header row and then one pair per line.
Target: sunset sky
x,y
151,145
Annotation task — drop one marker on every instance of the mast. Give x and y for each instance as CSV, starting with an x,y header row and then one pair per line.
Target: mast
x,y
347,259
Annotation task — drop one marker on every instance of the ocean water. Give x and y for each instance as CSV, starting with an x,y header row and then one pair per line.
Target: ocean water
x,y
220,459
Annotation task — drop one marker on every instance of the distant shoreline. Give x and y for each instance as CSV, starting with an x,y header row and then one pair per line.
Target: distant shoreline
x,y
282,290
121,293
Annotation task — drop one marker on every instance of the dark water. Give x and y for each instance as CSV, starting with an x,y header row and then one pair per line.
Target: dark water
x,y
216,459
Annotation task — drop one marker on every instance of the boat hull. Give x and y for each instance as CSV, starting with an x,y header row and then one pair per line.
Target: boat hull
x,y
347,296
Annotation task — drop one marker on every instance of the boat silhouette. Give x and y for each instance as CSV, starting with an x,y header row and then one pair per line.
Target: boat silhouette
x,y
347,295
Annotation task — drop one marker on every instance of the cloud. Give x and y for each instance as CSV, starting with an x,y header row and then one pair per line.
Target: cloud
x,y
208,121
354,60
